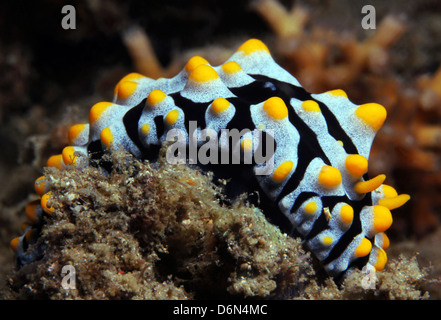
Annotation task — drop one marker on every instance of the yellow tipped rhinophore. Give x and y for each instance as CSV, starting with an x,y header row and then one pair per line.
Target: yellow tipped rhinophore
x,y
369,185
388,191
393,203
276,108
373,114
252,46
329,177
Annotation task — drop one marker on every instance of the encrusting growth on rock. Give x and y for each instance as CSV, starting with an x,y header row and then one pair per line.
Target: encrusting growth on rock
x,y
156,233
160,231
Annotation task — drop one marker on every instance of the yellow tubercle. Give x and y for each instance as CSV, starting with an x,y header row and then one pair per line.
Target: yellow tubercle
x,y
338,93
126,89
219,105
203,73
393,203
385,240
31,209
30,234
14,243
45,203
311,106
246,144
311,207
55,161
347,214
276,108
253,45
75,131
382,218
231,67
381,260
329,177
172,117
130,77
389,192
364,248
97,110
23,226
327,240
369,185
145,129
195,62
40,185
155,97
356,165
68,155
282,171
373,114
106,137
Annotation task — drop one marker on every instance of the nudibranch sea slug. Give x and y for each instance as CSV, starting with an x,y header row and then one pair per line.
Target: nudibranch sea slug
x,y
321,142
